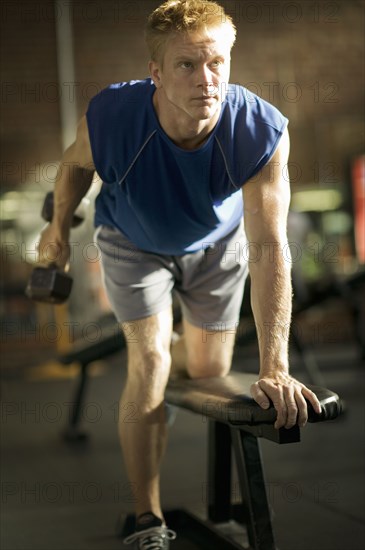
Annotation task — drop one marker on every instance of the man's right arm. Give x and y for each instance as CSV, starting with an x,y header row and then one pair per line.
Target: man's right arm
x,y
74,176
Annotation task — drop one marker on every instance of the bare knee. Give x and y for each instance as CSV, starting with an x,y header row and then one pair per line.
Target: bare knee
x,y
148,373
208,369
149,363
149,353
208,355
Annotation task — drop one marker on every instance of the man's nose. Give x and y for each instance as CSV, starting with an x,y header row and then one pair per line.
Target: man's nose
x,y
205,79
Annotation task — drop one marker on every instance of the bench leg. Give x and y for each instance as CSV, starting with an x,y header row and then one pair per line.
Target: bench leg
x,y
252,484
219,472
72,433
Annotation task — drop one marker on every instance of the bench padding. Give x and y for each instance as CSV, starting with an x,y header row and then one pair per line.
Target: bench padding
x,y
228,400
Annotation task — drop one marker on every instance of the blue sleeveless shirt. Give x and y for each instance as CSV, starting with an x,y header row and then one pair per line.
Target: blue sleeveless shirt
x,y
165,199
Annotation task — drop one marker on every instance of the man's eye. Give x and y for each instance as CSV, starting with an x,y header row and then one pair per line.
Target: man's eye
x,y
216,64
186,64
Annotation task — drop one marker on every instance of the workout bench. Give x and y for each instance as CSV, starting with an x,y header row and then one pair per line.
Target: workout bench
x,y
235,423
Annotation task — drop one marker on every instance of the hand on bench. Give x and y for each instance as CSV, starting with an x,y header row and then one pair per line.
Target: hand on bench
x,y
288,396
229,400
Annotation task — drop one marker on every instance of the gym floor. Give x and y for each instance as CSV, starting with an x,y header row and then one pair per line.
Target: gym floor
x,y
60,496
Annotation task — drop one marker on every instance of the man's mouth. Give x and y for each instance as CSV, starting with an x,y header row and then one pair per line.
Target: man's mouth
x,y
205,98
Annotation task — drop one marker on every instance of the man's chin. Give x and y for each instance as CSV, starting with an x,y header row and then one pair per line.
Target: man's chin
x,y
206,112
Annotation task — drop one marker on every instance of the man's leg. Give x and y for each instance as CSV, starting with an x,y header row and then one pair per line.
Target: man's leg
x,y
204,352
143,437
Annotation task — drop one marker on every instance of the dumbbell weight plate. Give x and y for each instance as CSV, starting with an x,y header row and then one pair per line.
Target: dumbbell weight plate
x,y
49,284
47,208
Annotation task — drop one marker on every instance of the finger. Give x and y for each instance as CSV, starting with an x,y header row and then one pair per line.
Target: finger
x,y
259,396
291,406
276,395
47,255
302,408
313,399
66,268
280,406
49,252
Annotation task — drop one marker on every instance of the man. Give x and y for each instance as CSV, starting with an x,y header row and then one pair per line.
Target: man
x,y
179,155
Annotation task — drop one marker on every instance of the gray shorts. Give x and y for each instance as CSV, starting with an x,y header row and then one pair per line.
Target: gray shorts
x,y
209,283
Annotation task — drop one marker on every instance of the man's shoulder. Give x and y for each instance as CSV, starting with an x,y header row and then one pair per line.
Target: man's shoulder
x,y
248,133
119,121
120,94
244,104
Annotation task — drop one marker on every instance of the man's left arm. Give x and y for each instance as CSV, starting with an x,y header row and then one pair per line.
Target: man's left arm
x,y
266,203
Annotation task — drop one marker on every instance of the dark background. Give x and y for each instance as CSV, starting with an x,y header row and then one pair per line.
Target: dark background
x,y
307,58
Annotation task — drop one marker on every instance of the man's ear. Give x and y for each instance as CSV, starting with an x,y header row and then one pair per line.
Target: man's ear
x,y
155,72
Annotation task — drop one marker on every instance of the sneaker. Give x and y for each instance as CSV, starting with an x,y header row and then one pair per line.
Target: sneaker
x,y
153,538
151,533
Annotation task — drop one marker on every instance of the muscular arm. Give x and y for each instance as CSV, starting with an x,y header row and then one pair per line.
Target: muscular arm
x,y
73,180
266,203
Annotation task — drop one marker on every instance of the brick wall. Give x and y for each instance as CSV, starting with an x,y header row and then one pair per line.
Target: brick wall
x,y
30,121
304,56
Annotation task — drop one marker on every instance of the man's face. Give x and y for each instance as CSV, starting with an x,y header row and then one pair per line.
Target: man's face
x,y
195,73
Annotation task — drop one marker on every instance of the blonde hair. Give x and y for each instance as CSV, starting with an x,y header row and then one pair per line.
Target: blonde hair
x,y
183,16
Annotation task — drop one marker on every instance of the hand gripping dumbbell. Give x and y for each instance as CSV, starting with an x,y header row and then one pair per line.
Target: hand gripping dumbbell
x,y
51,284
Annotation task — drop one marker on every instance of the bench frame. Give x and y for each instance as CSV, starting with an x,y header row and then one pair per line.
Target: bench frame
x,y
226,442
254,510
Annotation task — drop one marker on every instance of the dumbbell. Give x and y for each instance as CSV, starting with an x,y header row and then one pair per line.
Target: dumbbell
x,y
51,284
